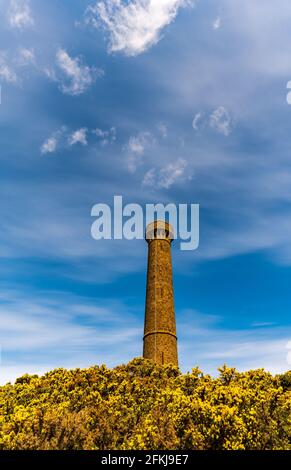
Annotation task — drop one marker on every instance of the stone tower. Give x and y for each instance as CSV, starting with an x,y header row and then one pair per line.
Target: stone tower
x,y
160,340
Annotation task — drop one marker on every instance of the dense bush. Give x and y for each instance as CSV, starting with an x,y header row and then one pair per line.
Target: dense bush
x,y
144,406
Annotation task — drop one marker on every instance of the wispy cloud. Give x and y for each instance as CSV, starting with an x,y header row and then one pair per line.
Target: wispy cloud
x,y
134,26
74,77
7,72
62,329
150,178
204,341
135,149
65,139
11,64
163,130
49,146
78,137
26,56
52,143
171,173
196,121
105,136
216,23
166,176
261,324
220,120
19,14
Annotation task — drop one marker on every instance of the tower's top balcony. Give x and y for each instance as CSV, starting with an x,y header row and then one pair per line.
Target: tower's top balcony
x,y
159,230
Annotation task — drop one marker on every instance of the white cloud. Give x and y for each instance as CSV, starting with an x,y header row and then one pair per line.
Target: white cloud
x,y
26,56
7,73
216,23
167,176
53,142
134,26
137,144
136,148
73,76
64,138
196,121
171,173
150,178
10,65
261,324
106,137
49,146
220,120
19,14
50,73
162,128
100,133
78,137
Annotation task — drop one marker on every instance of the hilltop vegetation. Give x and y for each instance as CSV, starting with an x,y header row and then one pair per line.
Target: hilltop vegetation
x,y
144,406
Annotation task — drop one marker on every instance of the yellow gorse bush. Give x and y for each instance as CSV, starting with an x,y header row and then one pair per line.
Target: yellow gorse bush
x,y
145,406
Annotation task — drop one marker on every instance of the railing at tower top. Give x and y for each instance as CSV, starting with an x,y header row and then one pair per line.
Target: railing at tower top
x,y
159,230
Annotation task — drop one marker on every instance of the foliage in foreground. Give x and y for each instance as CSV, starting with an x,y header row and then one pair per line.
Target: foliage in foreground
x,y
144,406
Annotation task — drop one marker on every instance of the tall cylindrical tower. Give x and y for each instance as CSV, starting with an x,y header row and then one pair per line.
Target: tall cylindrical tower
x,y
160,340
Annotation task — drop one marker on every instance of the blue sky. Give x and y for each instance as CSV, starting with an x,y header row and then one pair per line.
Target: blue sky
x,y
157,101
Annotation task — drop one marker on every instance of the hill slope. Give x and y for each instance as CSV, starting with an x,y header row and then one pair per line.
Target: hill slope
x,y
144,406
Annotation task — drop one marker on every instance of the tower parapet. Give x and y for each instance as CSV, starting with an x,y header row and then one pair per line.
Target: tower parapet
x,y
159,230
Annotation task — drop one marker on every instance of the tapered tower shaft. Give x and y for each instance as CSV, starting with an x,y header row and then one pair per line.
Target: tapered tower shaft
x,y
160,340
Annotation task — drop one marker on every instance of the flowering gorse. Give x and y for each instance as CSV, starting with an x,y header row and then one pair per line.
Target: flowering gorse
x,y
145,406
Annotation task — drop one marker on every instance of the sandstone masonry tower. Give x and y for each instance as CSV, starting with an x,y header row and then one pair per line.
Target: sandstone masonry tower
x,y
160,340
